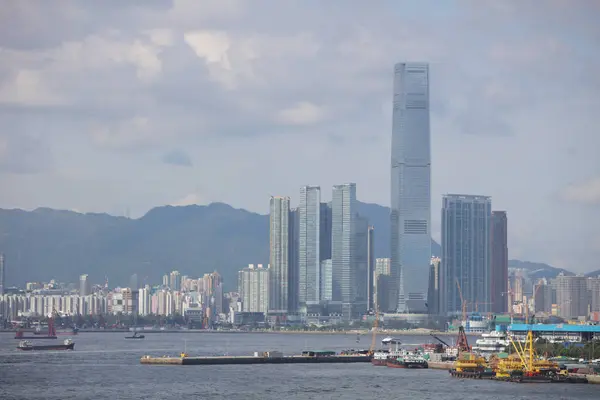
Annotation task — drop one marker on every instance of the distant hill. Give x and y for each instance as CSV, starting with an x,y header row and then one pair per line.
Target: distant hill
x,y
593,274
538,270
44,244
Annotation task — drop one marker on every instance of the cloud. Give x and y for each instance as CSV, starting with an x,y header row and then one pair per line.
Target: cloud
x,y
302,113
177,157
587,192
92,94
191,199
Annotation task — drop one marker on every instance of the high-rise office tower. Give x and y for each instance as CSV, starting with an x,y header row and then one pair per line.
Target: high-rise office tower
x,y
370,268
411,187
343,251
433,294
2,274
360,265
499,261
309,260
325,232
293,271
572,296
279,254
465,253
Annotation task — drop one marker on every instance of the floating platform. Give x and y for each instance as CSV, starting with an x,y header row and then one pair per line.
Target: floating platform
x,y
244,360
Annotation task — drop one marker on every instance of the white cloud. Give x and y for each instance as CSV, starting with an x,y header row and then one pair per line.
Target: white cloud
x,y
302,113
191,199
161,37
28,88
587,192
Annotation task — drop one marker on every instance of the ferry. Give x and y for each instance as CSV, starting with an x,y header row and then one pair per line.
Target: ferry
x,y
491,343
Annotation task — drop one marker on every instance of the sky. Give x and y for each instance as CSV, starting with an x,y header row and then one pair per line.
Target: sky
x,y
119,107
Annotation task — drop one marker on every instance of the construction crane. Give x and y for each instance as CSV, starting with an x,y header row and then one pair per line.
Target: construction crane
x,y
511,300
374,328
463,302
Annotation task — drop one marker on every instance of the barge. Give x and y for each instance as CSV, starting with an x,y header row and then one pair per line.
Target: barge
x,y
307,357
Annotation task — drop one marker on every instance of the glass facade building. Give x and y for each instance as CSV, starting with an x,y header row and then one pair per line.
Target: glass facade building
x,y
343,226
309,260
410,188
465,253
279,254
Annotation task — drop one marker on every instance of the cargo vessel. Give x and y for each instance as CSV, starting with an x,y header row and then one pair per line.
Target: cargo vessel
x,y
26,345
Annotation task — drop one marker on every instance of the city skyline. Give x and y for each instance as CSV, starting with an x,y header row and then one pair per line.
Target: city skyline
x,y
114,117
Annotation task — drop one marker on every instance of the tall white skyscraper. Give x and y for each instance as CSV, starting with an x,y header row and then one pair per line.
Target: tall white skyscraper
x,y
2,274
309,259
279,253
411,187
343,246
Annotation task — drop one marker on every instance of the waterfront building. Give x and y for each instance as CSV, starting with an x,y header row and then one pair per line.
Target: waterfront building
x,y
279,254
465,253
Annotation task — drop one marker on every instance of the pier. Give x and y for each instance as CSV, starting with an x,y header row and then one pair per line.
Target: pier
x,y
245,360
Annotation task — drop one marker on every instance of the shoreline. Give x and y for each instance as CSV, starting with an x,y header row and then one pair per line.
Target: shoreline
x,y
283,332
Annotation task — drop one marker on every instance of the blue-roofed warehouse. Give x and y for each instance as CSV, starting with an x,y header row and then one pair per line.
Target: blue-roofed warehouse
x,y
557,332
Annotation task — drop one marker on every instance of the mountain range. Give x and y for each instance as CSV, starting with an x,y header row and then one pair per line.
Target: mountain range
x,y
49,244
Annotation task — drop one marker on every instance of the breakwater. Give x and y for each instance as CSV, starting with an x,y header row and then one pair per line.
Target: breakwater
x,y
242,360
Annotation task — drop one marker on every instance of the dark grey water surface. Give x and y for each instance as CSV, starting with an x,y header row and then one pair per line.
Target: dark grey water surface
x,y
106,366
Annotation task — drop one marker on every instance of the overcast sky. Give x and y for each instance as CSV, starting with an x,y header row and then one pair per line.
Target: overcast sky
x,y
109,106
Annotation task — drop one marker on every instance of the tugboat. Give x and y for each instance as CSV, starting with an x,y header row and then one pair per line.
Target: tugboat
x,y
135,336
25,345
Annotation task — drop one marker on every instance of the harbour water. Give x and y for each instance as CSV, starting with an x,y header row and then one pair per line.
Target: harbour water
x,y
107,366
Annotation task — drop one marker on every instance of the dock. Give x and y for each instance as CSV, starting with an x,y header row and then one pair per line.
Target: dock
x,y
246,360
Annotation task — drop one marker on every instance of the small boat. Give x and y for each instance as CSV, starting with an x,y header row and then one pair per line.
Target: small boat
x,y
68,344
135,336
